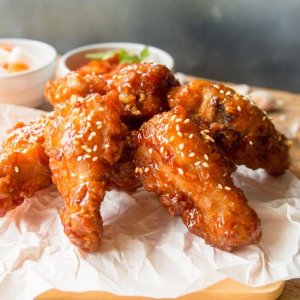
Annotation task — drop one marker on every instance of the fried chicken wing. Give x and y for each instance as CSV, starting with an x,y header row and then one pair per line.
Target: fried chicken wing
x,y
241,129
74,84
83,141
24,167
194,181
143,89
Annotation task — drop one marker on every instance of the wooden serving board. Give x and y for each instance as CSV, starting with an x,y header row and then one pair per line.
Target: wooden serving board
x,y
229,289
224,290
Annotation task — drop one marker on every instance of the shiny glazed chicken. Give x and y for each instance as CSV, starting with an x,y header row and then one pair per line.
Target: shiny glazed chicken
x,y
83,141
193,180
24,166
184,147
239,127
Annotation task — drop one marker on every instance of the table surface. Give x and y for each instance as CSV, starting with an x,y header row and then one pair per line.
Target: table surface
x,y
288,116
285,117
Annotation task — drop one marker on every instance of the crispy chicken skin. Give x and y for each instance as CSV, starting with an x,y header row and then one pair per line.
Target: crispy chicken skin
x,y
122,174
240,128
185,168
83,141
143,89
24,167
74,84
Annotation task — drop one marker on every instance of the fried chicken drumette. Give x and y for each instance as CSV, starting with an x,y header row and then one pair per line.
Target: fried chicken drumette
x,y
24,166
142,90
241,129
194,181
74,84
83,141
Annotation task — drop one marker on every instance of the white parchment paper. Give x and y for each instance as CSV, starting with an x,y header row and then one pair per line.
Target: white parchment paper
x,y
145,251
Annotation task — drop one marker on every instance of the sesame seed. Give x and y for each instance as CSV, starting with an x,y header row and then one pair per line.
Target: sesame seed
x,y
79,158
181,146
220,186
92,135
251,143
228,93
101,108
73,175
216,86
95,158
197,163
205,165
84,147
106,146
205,156
227,188
136,170
173,118
186,121
180,171
17,170
179,133
238,108
150,150
87,156
166,127
221,91
192,154
206,130
146,170
178,120
191,136
141,171
95,148
172,138
177,127
264,118
161,149
182,154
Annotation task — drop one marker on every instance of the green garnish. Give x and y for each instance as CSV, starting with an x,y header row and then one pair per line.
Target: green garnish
x,y
124,56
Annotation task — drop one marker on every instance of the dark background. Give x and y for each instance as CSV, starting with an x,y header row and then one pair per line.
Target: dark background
x,y
255,41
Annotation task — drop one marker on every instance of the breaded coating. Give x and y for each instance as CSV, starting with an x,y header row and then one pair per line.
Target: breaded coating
x,y
24,166
74,84
122,174
241,129
83,141
143,89
193,180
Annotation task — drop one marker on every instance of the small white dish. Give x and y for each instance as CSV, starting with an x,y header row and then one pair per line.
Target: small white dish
x,y
75,58
27,87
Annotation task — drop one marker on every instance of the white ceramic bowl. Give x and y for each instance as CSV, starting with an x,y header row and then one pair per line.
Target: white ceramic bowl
x,y
27,87
74,59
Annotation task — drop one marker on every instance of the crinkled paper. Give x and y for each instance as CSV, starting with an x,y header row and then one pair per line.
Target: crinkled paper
x,y
145,251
